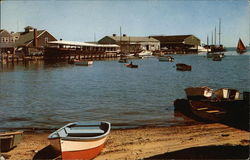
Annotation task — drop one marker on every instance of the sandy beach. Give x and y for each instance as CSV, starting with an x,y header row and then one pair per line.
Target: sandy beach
x,y
153,143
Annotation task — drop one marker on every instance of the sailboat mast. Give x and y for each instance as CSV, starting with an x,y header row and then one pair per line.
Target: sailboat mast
x,y
219,31
212,39
120,38
215,35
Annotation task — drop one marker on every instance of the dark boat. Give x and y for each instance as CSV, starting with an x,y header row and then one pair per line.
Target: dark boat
x,y
241,47
183,67
131,65
216,58
166,59
225,105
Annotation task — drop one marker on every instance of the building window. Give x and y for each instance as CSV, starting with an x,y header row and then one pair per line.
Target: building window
x,y
46,40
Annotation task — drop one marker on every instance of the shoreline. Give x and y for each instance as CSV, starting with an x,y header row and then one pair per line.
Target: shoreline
x,y
148,142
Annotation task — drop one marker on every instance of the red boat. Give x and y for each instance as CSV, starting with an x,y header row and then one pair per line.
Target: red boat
x,y
183,67
241,47
131,65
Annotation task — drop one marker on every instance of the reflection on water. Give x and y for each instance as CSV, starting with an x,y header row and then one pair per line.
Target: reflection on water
x,y
48,95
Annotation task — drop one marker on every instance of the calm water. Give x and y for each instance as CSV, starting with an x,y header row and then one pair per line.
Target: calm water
x,y
50,95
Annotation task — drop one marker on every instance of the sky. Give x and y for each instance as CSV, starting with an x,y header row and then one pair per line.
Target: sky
x,y
89,20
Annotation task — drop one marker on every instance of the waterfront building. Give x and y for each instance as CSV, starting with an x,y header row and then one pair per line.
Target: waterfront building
x,y
131,44
7,42
32,41
56,50
178,42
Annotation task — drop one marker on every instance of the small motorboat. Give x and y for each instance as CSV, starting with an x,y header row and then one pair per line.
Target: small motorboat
x,y
166,59
80,140
131,65
183,67
9,140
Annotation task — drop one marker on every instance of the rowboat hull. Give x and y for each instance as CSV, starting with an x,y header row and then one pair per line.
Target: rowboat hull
x,y
79,149
80,141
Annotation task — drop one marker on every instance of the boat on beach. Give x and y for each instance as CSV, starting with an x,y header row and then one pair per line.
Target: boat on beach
x,y
80,140
197,93
241,47
9,140
183,67
222,105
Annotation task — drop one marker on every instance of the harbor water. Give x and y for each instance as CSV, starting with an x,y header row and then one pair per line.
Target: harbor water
x,y
49,95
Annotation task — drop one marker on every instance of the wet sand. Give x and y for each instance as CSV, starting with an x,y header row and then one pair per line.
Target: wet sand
x,y
190,141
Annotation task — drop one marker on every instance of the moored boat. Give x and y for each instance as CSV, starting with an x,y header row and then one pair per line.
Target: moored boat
x,y
123,60
131,65
183,67
216,58
166,59
9,140
83,63
80,140
145,53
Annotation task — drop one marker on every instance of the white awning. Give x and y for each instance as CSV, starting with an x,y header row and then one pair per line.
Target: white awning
x,y
74,43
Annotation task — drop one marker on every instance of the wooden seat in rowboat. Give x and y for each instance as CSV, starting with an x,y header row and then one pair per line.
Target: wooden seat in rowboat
x,y
90,131
213,111
204,108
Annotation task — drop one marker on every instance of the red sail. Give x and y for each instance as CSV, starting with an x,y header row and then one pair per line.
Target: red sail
x,y
241,47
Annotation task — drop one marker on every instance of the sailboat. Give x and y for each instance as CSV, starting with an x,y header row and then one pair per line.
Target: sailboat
x,y
241,47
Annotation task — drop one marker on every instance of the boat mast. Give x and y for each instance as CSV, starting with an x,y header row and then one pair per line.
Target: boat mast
x,y
120,39
212,39
219,31
207,42
215,36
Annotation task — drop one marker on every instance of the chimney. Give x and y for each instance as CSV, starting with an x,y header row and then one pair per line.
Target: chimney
x,y
114,35
124,35
35,39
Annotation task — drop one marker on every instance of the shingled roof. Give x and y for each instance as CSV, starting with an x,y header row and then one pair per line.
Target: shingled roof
x,y
172,39
26,37
133,39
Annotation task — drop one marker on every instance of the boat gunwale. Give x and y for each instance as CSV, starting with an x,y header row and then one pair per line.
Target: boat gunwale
x,y
80,138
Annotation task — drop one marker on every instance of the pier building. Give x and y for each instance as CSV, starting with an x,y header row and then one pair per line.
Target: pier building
x,y
67,50
131,44
179,43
